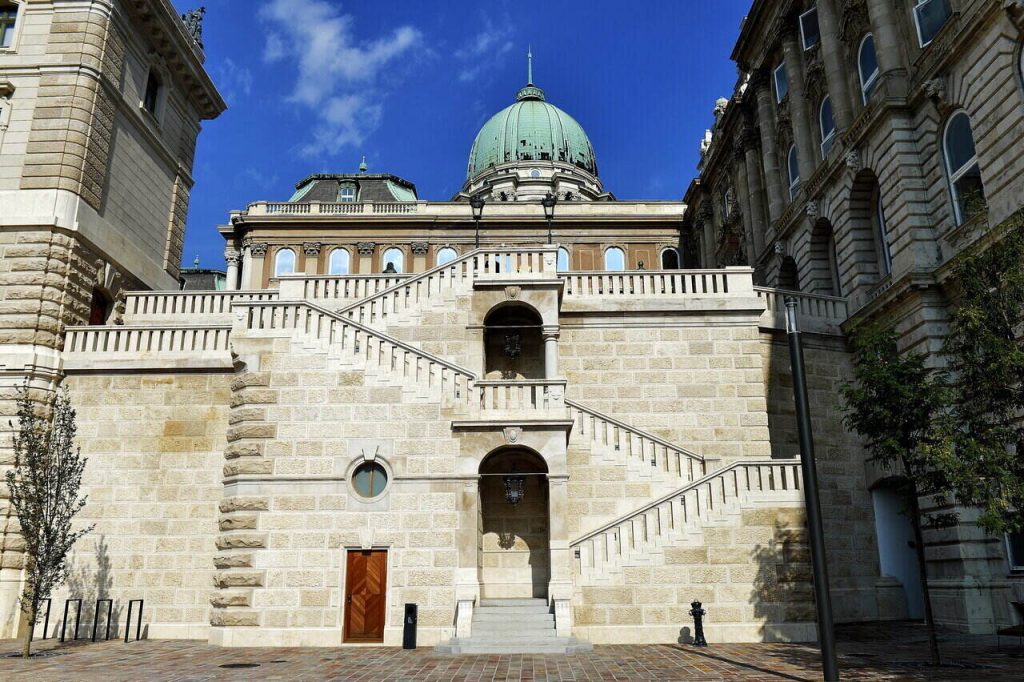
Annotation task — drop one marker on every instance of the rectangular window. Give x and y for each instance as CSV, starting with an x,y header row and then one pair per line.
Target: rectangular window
x,y
930,16
8,18
151,98
1015,551
781,83
810,34
347,194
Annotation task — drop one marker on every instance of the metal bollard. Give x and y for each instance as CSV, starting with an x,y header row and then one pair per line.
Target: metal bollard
x,y
698,624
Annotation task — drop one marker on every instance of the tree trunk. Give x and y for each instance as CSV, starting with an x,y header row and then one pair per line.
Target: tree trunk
x,y
929,618
26,646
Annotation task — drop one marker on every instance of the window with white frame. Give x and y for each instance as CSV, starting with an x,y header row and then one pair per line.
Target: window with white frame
x,y
393,261
614,259
929,17
563,260
340,262
883,236
446,255
1015,551
347,194
284,262
793,165
867,67
810,34
962,168
781,82
828,126
8,22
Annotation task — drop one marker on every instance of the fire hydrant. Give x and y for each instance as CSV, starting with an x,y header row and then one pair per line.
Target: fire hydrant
x,y
698,624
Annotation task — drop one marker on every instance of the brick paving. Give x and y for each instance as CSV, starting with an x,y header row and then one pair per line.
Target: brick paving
x,y
868,652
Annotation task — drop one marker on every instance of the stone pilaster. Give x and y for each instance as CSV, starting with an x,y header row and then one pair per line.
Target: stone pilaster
x,y
806,149
769,149
833,55
885,27
755,190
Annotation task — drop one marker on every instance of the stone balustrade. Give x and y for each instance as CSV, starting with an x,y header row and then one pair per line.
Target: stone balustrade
x,y
264,208
736,486
147,339
634,444
815,313
654,283
526,395
186,305
336,287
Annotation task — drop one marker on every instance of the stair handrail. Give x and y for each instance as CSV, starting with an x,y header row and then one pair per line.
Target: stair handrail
x,y
623,425
717,473
439,268
365,329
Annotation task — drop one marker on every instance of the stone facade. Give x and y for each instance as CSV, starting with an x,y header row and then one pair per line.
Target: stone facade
x,y
89,179
879,202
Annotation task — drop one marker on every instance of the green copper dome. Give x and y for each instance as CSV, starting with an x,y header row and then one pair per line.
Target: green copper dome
x,y
531,130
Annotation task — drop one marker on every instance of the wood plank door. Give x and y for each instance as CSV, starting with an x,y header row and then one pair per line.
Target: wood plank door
x,y
366,580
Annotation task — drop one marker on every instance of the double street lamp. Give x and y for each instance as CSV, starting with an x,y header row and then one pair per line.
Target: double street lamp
x,y
477,204
548,202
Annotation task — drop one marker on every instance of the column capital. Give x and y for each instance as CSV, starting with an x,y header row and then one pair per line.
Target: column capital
x,y
258,249
419,248
311,248
231,257
550,331
365,248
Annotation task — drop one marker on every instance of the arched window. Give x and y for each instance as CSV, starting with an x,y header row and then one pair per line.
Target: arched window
x,y
962,168
284,262
563,260
929,17
614,259
513,343
828,126
669,259
446,255
339,264
794,172
393,261
867,66
883,236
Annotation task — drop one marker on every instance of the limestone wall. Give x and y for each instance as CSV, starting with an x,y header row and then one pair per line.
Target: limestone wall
x,y
155,447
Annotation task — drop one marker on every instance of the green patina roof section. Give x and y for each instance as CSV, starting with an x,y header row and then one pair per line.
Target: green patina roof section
x,y
302,191
401,193
531,129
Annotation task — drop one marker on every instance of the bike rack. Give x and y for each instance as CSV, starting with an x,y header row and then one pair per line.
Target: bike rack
x,y
46,620
78,617
96,618
128,623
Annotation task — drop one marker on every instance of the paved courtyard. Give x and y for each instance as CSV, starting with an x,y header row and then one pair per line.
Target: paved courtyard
x,y
895,652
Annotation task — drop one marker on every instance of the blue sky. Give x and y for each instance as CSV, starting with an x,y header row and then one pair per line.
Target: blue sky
x,y
312,85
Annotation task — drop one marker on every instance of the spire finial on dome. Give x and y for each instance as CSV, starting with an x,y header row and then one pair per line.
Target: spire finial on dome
x,y
362,164
529,91
529,65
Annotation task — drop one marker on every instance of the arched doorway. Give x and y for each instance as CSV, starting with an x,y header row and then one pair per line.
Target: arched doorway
x,y
514,548
513,343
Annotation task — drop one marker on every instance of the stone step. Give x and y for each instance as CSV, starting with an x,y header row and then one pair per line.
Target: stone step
x,y
509,632
558,645
485,603
510,612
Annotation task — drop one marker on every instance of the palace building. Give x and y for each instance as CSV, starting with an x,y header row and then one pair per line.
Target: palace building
x,y
546,416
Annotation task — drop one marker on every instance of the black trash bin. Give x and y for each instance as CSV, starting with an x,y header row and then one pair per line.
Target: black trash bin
x,y
409,631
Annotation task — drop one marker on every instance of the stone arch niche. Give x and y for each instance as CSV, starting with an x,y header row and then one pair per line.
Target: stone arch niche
x,y
513,343
864,242
822,273
514,539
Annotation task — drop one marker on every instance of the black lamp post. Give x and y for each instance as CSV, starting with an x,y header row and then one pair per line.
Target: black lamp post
x,y
477,204
548,202
822,600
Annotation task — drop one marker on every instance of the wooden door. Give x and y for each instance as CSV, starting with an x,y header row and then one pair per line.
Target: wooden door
x,y
366,595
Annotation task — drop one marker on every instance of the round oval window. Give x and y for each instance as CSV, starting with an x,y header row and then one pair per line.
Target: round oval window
x,y
369,479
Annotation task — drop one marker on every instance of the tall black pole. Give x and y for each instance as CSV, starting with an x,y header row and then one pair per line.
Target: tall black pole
x,y
822,600
476,220
549,230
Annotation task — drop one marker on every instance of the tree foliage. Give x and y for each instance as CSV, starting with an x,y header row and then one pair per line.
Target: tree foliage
x,y
44,489
985,460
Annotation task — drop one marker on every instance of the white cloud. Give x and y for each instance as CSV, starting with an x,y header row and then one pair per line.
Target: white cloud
x,y
233,81
338,75
484,49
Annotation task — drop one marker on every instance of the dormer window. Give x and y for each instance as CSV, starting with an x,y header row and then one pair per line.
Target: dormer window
x,y
347,194
8,19
151,99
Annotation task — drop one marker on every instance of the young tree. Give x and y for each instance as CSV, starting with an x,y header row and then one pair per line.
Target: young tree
x,y
44,486
898,404
985,350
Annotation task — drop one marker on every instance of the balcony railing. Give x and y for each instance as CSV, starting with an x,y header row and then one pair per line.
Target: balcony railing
x,y
815,313
521,395
644,283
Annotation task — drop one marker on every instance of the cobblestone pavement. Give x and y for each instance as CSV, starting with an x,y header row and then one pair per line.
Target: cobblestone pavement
x,y
890,652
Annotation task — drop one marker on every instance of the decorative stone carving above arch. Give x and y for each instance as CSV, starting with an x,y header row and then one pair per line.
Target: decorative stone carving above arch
x,y
853,21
